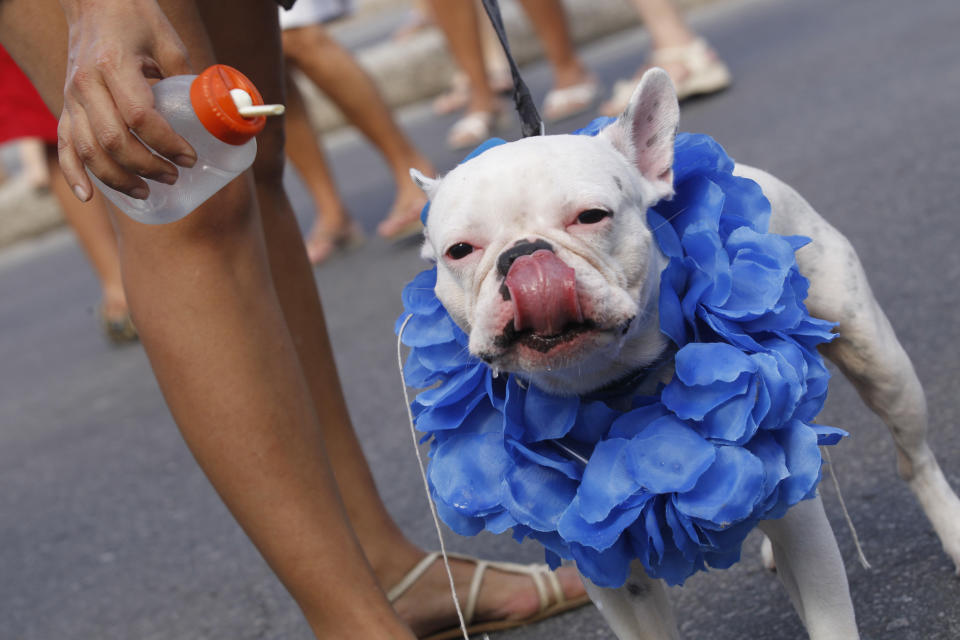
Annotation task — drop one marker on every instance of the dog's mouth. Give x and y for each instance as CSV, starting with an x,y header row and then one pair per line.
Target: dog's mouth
x,y
541,342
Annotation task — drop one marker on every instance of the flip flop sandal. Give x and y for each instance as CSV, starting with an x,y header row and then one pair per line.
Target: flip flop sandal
x,y
408,230
328,245
540,574
118,330
458,96
704,73
455,98
471,129
560,104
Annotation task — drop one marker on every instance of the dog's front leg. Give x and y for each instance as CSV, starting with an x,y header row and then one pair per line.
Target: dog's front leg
x,y
639,610
809,564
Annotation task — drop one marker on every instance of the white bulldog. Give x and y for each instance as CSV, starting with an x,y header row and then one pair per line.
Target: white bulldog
x,y
545,259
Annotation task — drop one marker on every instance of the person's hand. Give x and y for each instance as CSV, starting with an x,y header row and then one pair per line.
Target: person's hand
x,y
116,47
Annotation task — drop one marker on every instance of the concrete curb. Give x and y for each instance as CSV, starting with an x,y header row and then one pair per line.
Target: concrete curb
x,y
26,212
420,67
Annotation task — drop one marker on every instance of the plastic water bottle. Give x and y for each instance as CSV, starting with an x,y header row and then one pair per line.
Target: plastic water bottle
x,y
218,112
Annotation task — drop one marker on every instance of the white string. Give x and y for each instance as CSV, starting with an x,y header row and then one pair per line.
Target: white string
x,y
843,507
426,485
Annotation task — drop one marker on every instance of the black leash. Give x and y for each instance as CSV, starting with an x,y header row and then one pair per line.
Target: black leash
x,y
531,124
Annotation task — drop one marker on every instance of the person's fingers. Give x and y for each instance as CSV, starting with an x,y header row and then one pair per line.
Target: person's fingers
x,y
134,102
81,142
112,133
172,57
70,164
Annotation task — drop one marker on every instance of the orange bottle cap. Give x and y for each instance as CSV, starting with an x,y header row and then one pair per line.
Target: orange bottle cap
x,y
216,109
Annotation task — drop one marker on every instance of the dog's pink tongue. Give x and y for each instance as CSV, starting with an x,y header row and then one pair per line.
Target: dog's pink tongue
x,y
544,293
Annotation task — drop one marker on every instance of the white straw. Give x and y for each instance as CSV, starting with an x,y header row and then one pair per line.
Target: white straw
x,y
258,110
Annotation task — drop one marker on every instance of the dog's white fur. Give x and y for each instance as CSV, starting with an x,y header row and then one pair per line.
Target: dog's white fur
x,y
534,190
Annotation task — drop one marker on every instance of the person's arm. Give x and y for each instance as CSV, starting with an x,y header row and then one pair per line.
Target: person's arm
x,y
116,48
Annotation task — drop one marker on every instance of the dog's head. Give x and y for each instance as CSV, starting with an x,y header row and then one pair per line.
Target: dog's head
x,y
543,252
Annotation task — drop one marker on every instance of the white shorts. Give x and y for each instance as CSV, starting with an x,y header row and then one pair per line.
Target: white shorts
x,y
309,12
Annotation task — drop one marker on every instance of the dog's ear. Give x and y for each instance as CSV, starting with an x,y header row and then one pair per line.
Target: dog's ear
x,y
646,130
429,185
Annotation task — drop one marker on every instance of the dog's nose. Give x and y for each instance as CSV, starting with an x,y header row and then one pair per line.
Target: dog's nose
x,y
522,248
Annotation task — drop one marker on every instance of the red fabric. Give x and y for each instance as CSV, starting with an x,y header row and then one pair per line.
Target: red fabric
x,y
22,113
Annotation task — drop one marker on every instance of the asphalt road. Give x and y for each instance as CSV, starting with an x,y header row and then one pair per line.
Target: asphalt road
x,y
108,530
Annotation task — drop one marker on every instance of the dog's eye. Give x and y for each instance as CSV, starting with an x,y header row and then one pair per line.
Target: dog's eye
x,y
459,250
592,216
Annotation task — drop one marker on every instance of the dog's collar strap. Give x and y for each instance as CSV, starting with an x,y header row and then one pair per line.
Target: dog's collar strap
x,y
626,386
680,478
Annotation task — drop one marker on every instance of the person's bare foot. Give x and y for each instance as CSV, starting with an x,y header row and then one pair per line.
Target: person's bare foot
x,y
115,317
427,606
323,240
113,303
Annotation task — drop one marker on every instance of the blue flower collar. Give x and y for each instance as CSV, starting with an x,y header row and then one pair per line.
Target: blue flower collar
x,y
680,478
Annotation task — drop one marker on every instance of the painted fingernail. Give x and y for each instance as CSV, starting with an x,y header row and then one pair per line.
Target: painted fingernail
x,y
81,192
140,193
167,178
185,160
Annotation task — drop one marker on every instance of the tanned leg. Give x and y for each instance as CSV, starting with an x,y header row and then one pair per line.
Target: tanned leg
x,y
211,323
336,72
427,606
549,20
90,222
331,219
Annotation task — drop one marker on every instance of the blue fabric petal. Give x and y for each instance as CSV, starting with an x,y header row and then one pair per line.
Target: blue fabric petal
x,y
466,472
828,435
429,329
732,422
607,481
673,323
445,417
599,535
603,568
455,388
666,236
445,357
546,454
694,403
668,456
536,496
547,416
728,490
593,422
799,443
459,523
596,126
627,425
484,146
418,296
774,459
703,364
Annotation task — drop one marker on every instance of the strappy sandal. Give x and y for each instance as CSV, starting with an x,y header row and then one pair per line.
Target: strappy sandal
x,y
567,102
540,574
325,245
458,96
472,129
119,330
704,73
